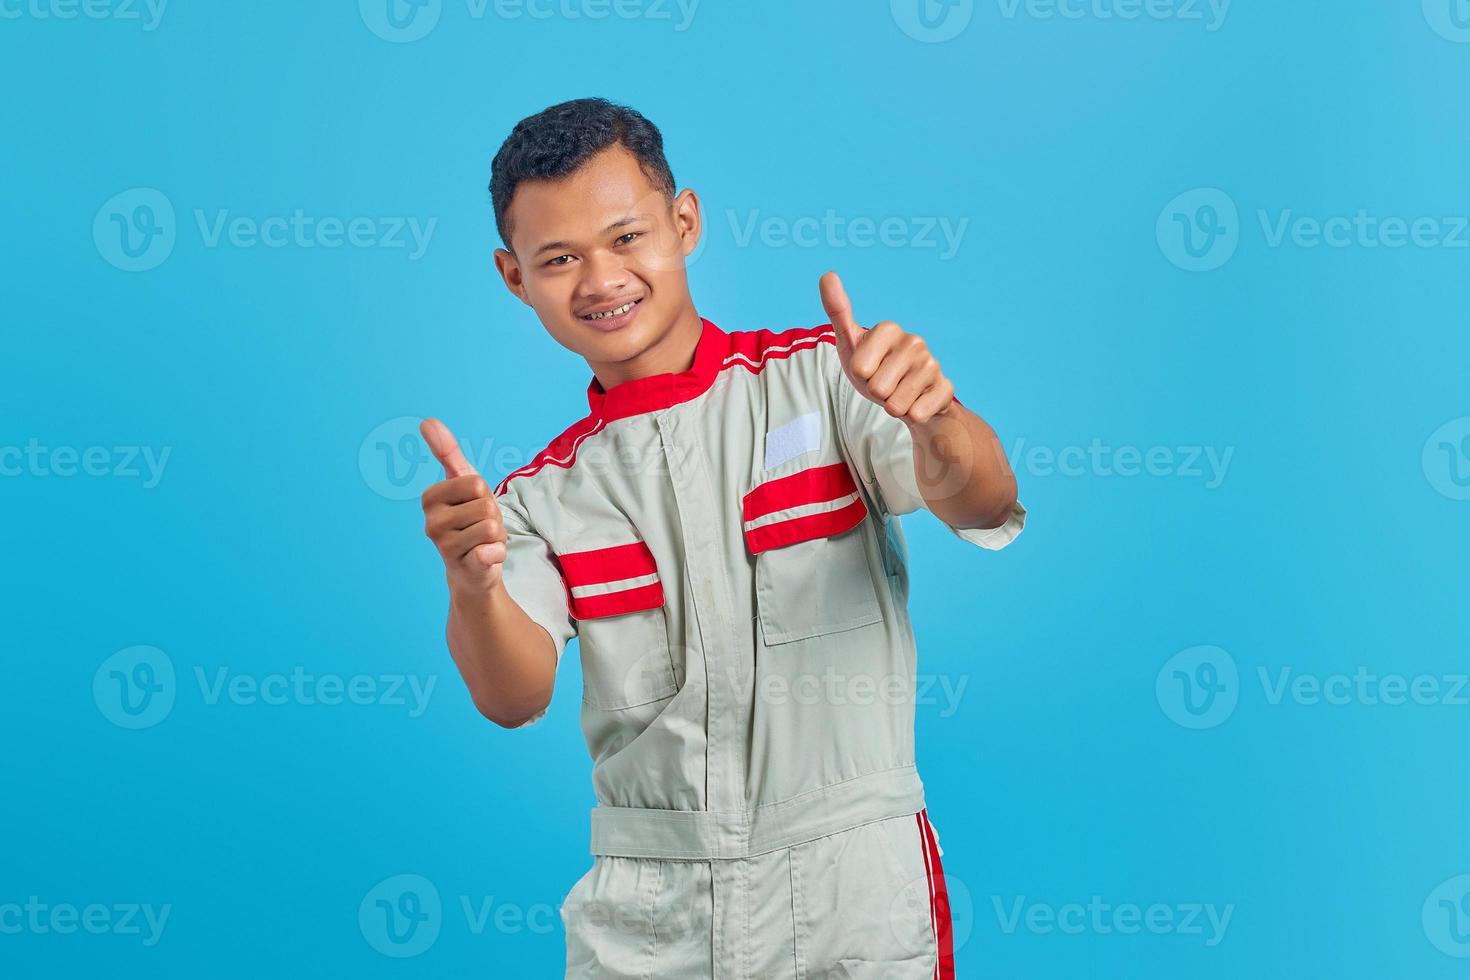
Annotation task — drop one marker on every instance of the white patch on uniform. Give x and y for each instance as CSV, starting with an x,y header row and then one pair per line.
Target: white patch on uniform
x,y
786,442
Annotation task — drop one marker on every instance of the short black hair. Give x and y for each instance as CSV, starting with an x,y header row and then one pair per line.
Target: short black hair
x,y
558,140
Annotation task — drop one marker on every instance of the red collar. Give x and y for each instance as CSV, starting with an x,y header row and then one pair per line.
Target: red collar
x,y
659,391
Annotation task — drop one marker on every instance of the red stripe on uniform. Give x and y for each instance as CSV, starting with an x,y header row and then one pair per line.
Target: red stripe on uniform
x,y
823,525
938,900
608,564
617,603
814,485
614,564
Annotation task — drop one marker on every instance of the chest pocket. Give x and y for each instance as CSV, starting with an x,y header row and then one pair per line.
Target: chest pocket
x,y
617,599
806,531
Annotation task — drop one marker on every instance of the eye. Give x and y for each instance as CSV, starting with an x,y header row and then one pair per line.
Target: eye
x,y
560,260
629,237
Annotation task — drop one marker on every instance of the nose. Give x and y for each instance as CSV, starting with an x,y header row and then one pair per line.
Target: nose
x,y
603,275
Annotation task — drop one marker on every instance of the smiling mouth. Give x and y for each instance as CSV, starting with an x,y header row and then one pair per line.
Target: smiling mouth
x,y
609,314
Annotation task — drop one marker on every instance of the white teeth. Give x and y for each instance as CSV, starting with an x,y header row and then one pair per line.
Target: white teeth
x,y
610,313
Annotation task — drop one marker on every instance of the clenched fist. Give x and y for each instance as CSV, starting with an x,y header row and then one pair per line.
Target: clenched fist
x,y
886,365
462,517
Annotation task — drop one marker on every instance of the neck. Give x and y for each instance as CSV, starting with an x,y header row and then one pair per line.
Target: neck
x,y
671,353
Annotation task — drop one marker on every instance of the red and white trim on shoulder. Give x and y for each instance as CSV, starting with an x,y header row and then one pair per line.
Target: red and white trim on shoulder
x,y
714,353
938,899
562,451
753,349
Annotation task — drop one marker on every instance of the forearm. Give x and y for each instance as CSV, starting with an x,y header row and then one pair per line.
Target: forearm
x,y
962,470
507,660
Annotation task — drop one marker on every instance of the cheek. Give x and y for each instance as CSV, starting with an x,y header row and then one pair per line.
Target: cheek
x,y
547,286
658,259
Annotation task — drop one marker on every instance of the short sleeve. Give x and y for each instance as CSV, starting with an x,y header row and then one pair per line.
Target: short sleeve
x,y
533,579
882,450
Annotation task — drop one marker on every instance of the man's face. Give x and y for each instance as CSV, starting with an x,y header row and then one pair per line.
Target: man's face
x,y
600,257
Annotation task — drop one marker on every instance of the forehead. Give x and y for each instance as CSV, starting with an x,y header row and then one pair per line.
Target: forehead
x,y
609,186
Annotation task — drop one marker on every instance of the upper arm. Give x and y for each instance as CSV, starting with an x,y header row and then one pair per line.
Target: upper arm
x,y
533,579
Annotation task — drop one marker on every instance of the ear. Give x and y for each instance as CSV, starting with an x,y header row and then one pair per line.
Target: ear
x,y
688,220
510,271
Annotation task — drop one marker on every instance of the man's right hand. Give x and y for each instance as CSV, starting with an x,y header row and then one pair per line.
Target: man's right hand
x,y
462,517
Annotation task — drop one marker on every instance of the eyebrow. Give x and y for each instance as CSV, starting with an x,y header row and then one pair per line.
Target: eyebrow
x,y
621,222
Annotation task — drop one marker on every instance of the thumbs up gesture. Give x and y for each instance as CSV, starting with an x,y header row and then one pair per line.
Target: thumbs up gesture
x,y
462,517
887,366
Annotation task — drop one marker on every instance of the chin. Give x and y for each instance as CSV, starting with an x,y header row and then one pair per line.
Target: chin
x,y
628,344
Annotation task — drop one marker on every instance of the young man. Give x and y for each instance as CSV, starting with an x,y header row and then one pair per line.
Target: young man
x,y
721,532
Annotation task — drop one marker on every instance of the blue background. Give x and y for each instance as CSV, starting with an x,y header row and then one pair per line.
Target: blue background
x,y
1069,316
